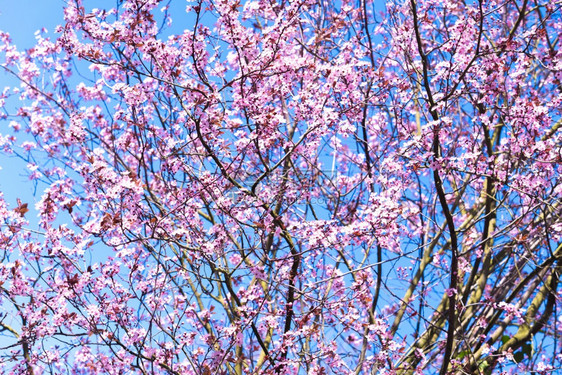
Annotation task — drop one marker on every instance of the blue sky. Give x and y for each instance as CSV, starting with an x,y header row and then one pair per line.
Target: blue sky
x,y
21,18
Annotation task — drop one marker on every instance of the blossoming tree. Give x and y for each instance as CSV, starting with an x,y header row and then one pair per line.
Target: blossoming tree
x,y
286,187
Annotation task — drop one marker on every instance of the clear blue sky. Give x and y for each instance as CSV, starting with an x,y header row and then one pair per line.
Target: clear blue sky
x,y
21,18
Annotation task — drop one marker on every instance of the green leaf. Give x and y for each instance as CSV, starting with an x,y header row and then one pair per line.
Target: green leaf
x,y
518,357
482,365
462,354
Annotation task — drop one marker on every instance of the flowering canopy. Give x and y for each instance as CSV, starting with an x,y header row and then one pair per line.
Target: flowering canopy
x,y
286,187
